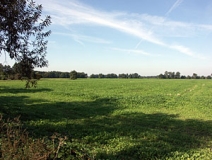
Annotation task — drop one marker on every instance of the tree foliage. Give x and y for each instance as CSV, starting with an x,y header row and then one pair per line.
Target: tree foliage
x,y
170,75
22,34
73,75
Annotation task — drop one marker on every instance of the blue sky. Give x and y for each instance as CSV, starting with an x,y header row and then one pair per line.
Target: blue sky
x,y
147,37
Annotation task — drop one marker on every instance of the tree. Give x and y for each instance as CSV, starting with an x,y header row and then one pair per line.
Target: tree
x,y
135,75
194,76
111,75
123,75
171,75
82,75
21,33
6,72
177,75
101,75
166,74
208,77
183,77
63,75
17,68
24,69
161,76
94,76
73,75
1,68
188,77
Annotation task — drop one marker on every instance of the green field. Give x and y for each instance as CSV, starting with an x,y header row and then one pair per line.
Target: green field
x,y
117,118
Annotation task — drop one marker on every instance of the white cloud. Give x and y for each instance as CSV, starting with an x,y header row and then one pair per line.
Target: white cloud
x,y
146,27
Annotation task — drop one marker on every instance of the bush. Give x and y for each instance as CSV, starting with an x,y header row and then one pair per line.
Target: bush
x,y
16,144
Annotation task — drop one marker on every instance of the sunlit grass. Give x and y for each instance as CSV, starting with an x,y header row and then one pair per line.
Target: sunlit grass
x,y
118,118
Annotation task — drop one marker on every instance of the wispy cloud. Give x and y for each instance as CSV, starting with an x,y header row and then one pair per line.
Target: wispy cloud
x,y
186,51
163,26
135,51
158,20
205,27
77,13
82,38
182,49
67,13
176,4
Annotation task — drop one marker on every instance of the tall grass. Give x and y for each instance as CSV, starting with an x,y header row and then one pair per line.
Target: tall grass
x,y
117,118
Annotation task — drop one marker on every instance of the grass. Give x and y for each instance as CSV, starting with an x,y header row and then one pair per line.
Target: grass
x,y
117,118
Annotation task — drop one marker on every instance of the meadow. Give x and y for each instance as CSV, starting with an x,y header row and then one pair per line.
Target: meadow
x,y
117,118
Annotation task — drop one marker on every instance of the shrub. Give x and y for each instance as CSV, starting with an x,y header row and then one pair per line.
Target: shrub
x,y
16,144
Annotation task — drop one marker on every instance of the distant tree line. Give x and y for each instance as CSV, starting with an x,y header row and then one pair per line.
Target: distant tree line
x,y
113,75
177,75
18,71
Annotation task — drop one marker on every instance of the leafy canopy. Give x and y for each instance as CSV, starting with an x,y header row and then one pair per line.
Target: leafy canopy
x,y
22,33
73,75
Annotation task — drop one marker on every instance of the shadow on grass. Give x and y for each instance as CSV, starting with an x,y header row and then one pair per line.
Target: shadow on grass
x,y
153,136
118,136
4,89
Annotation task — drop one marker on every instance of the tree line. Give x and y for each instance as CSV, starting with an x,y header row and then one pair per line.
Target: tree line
x,y
18,71
177,75
122,75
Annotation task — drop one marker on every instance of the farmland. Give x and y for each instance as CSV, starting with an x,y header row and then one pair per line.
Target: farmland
x,y
117,118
